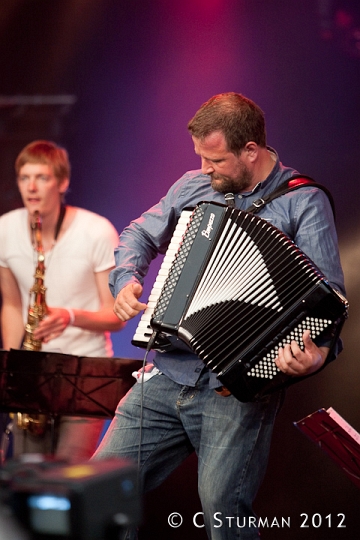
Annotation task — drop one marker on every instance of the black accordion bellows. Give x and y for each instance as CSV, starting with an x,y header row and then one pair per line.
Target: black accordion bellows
x,y
239,289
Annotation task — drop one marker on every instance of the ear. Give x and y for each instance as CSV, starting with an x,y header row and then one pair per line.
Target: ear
x,y
252,150
63,186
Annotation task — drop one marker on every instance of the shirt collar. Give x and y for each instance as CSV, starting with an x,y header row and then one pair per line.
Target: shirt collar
x,y
270,177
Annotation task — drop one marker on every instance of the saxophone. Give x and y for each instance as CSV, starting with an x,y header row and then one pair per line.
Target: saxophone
x,y
37,310
37,307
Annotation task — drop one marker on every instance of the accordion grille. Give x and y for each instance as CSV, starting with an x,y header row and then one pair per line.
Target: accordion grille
x,y
179,262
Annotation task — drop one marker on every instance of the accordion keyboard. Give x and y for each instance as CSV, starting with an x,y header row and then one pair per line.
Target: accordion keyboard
x,y
144,331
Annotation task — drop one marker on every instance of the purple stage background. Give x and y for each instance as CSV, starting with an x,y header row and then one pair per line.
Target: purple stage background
x,y
125,77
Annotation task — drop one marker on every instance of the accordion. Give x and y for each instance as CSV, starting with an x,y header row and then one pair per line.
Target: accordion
x,y
237,289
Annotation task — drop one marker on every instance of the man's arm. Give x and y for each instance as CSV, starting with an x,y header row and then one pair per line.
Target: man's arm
x,y
316,236
102,320
149,235
12,324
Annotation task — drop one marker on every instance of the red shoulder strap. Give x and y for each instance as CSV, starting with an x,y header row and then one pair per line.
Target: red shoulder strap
x,y
296,181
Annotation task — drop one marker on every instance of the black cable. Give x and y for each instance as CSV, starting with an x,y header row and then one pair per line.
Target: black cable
x,y
148,349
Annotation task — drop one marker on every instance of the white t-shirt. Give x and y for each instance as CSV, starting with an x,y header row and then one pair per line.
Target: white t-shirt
x,y
86,247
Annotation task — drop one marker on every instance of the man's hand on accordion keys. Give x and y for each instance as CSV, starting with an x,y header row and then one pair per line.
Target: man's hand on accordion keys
x,y
127,304
296,362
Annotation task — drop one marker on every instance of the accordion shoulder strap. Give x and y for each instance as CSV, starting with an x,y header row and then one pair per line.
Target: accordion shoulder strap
x,y
294,182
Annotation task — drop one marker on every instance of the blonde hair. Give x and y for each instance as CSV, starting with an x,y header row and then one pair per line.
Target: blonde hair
x,y
45,152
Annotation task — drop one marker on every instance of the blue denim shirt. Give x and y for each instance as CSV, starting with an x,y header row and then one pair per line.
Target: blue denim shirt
x,y
305,215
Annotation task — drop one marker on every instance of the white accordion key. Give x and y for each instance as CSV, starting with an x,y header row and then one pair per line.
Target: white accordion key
x,y
143,331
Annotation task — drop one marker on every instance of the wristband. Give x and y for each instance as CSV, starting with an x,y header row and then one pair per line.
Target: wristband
x,y
71,315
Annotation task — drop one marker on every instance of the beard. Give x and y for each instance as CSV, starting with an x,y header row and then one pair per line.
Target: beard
x,y
228,184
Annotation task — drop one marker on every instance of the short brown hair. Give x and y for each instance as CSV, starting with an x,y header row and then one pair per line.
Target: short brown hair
x,y
234,115
45,152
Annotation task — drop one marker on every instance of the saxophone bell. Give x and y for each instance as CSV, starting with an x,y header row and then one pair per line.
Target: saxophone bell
x,y
36,424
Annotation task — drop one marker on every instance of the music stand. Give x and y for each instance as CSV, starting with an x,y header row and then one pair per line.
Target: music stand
x,y
56,384
335,437
63,384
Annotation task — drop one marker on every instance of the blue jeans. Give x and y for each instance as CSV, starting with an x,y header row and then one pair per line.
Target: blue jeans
x,y
230,438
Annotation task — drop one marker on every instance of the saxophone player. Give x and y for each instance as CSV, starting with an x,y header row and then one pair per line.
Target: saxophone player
x,y
78,248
